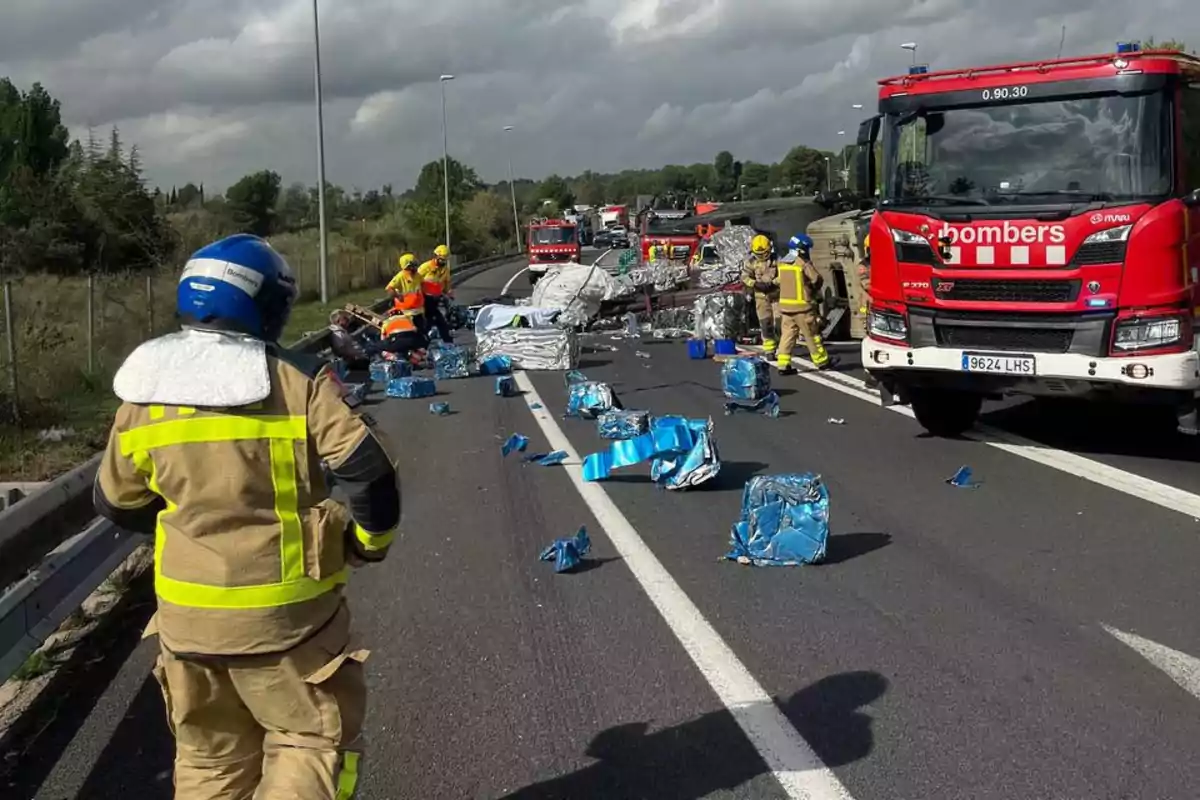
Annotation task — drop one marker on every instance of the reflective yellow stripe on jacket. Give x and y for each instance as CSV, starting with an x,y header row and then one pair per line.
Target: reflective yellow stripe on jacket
x,y
793,294
294,585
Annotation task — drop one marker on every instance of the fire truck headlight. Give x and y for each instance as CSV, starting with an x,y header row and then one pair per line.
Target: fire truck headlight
x,y
1110,235
887,325
1147,334
904,237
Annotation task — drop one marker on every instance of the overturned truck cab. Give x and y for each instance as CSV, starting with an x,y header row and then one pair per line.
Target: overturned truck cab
x,y
1037,232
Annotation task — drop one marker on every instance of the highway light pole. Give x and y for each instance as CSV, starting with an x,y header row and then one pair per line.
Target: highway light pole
x,y
324,236
443,80
512,190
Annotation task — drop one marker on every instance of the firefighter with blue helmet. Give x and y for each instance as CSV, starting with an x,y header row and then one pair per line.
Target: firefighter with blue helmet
x,y
224,449
799,289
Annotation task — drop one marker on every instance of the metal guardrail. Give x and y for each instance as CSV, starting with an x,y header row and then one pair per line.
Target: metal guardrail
x,y
50,565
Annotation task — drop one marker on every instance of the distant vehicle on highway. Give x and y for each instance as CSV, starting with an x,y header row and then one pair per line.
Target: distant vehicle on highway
x,y
602,239
551,241
619,237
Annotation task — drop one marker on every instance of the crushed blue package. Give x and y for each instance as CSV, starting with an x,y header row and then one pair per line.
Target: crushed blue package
x,y
681,451
440,409
451,361
747,378
548,459
535,406
768,405
358,391
411,387
514,444
621,424
963,479
382,371
495,365
506,386
460,317
340,368
567,553
784,522
589,399
574,376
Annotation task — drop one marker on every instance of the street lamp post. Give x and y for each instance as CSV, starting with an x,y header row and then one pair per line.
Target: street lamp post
x,y
828,175
324,234
512,189
912,48
443,80
845,166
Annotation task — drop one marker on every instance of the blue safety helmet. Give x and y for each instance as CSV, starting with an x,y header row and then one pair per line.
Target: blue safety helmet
x,y
801,242
240,284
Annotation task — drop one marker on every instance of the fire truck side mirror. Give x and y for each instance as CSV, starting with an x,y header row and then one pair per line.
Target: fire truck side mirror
x,y
1192,200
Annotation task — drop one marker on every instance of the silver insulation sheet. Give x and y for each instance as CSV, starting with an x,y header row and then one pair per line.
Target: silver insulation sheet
x,y
531,348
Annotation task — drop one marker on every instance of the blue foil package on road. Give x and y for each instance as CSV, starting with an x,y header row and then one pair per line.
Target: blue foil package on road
x,y
506,386
620,424
411,387
439,409
383,371
747,378
588,399
568,553
784,522
495,365
681,451
768,406
451,361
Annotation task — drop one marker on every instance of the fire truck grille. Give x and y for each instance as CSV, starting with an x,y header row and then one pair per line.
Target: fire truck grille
x,y
1099,253
1004,339
1003,291
553,257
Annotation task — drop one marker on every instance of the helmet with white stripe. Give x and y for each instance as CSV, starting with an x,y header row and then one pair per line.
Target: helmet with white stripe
x,y
239,284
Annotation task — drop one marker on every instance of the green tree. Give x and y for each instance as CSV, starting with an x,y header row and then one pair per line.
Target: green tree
x,y
724,168
253,202
464,183
555,188
803,168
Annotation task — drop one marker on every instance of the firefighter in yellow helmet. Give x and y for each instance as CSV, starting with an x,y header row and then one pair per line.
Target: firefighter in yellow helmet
x,y
760,274
407,292
435,283
224,449
799,288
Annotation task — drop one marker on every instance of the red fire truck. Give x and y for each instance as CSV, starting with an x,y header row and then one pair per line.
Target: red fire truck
x,y
1037,231
551,241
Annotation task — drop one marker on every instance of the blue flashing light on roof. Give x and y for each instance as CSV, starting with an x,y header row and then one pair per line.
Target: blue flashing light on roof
x,y
918,69
1128,47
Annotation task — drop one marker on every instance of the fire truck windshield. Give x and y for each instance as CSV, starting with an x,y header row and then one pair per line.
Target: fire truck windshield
x,y
1107,147
555,235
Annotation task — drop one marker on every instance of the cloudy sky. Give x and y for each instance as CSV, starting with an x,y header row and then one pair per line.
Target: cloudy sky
x,y
213,89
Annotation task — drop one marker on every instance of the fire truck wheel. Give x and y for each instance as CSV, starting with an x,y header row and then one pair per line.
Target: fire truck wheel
x,y
945,412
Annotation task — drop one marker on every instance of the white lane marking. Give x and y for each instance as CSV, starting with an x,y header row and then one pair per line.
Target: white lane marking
x,y
1180,667
1132,484
794,764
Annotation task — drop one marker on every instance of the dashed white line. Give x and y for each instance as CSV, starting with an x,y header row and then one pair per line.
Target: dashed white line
x,y
1129,483
791,760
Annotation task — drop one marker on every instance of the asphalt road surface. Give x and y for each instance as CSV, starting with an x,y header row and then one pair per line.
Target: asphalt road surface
x,y
1028,638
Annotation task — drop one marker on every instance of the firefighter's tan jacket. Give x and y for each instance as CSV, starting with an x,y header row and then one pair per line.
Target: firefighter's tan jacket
x,y
250,552
761,270
799,282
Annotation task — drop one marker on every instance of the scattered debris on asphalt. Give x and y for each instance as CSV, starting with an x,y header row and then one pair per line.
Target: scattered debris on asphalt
x,y
963,479
589,399
514,444
768,406
381,371
495,365
439,409
682,453
568,553
450,361
506,386
547,459
641,354
746,379
836,421
535,406
784,521
622,424
412,387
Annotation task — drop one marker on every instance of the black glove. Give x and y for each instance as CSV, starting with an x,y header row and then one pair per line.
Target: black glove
x,y
766,287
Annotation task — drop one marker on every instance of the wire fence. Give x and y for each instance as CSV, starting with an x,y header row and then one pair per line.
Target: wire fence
x,y
62,333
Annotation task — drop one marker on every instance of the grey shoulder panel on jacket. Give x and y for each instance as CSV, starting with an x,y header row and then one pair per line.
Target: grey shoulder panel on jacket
x,y
306,363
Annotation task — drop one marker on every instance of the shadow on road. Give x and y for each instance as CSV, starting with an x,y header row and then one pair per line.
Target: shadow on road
x,y
843,547
711,753
137,761
34,744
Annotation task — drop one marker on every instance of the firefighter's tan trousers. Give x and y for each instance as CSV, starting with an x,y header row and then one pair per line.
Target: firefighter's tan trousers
x,y
766,310
794,324
274,727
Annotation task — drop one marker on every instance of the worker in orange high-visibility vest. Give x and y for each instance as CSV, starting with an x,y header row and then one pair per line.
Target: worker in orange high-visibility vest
x,y
435,283
407,292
